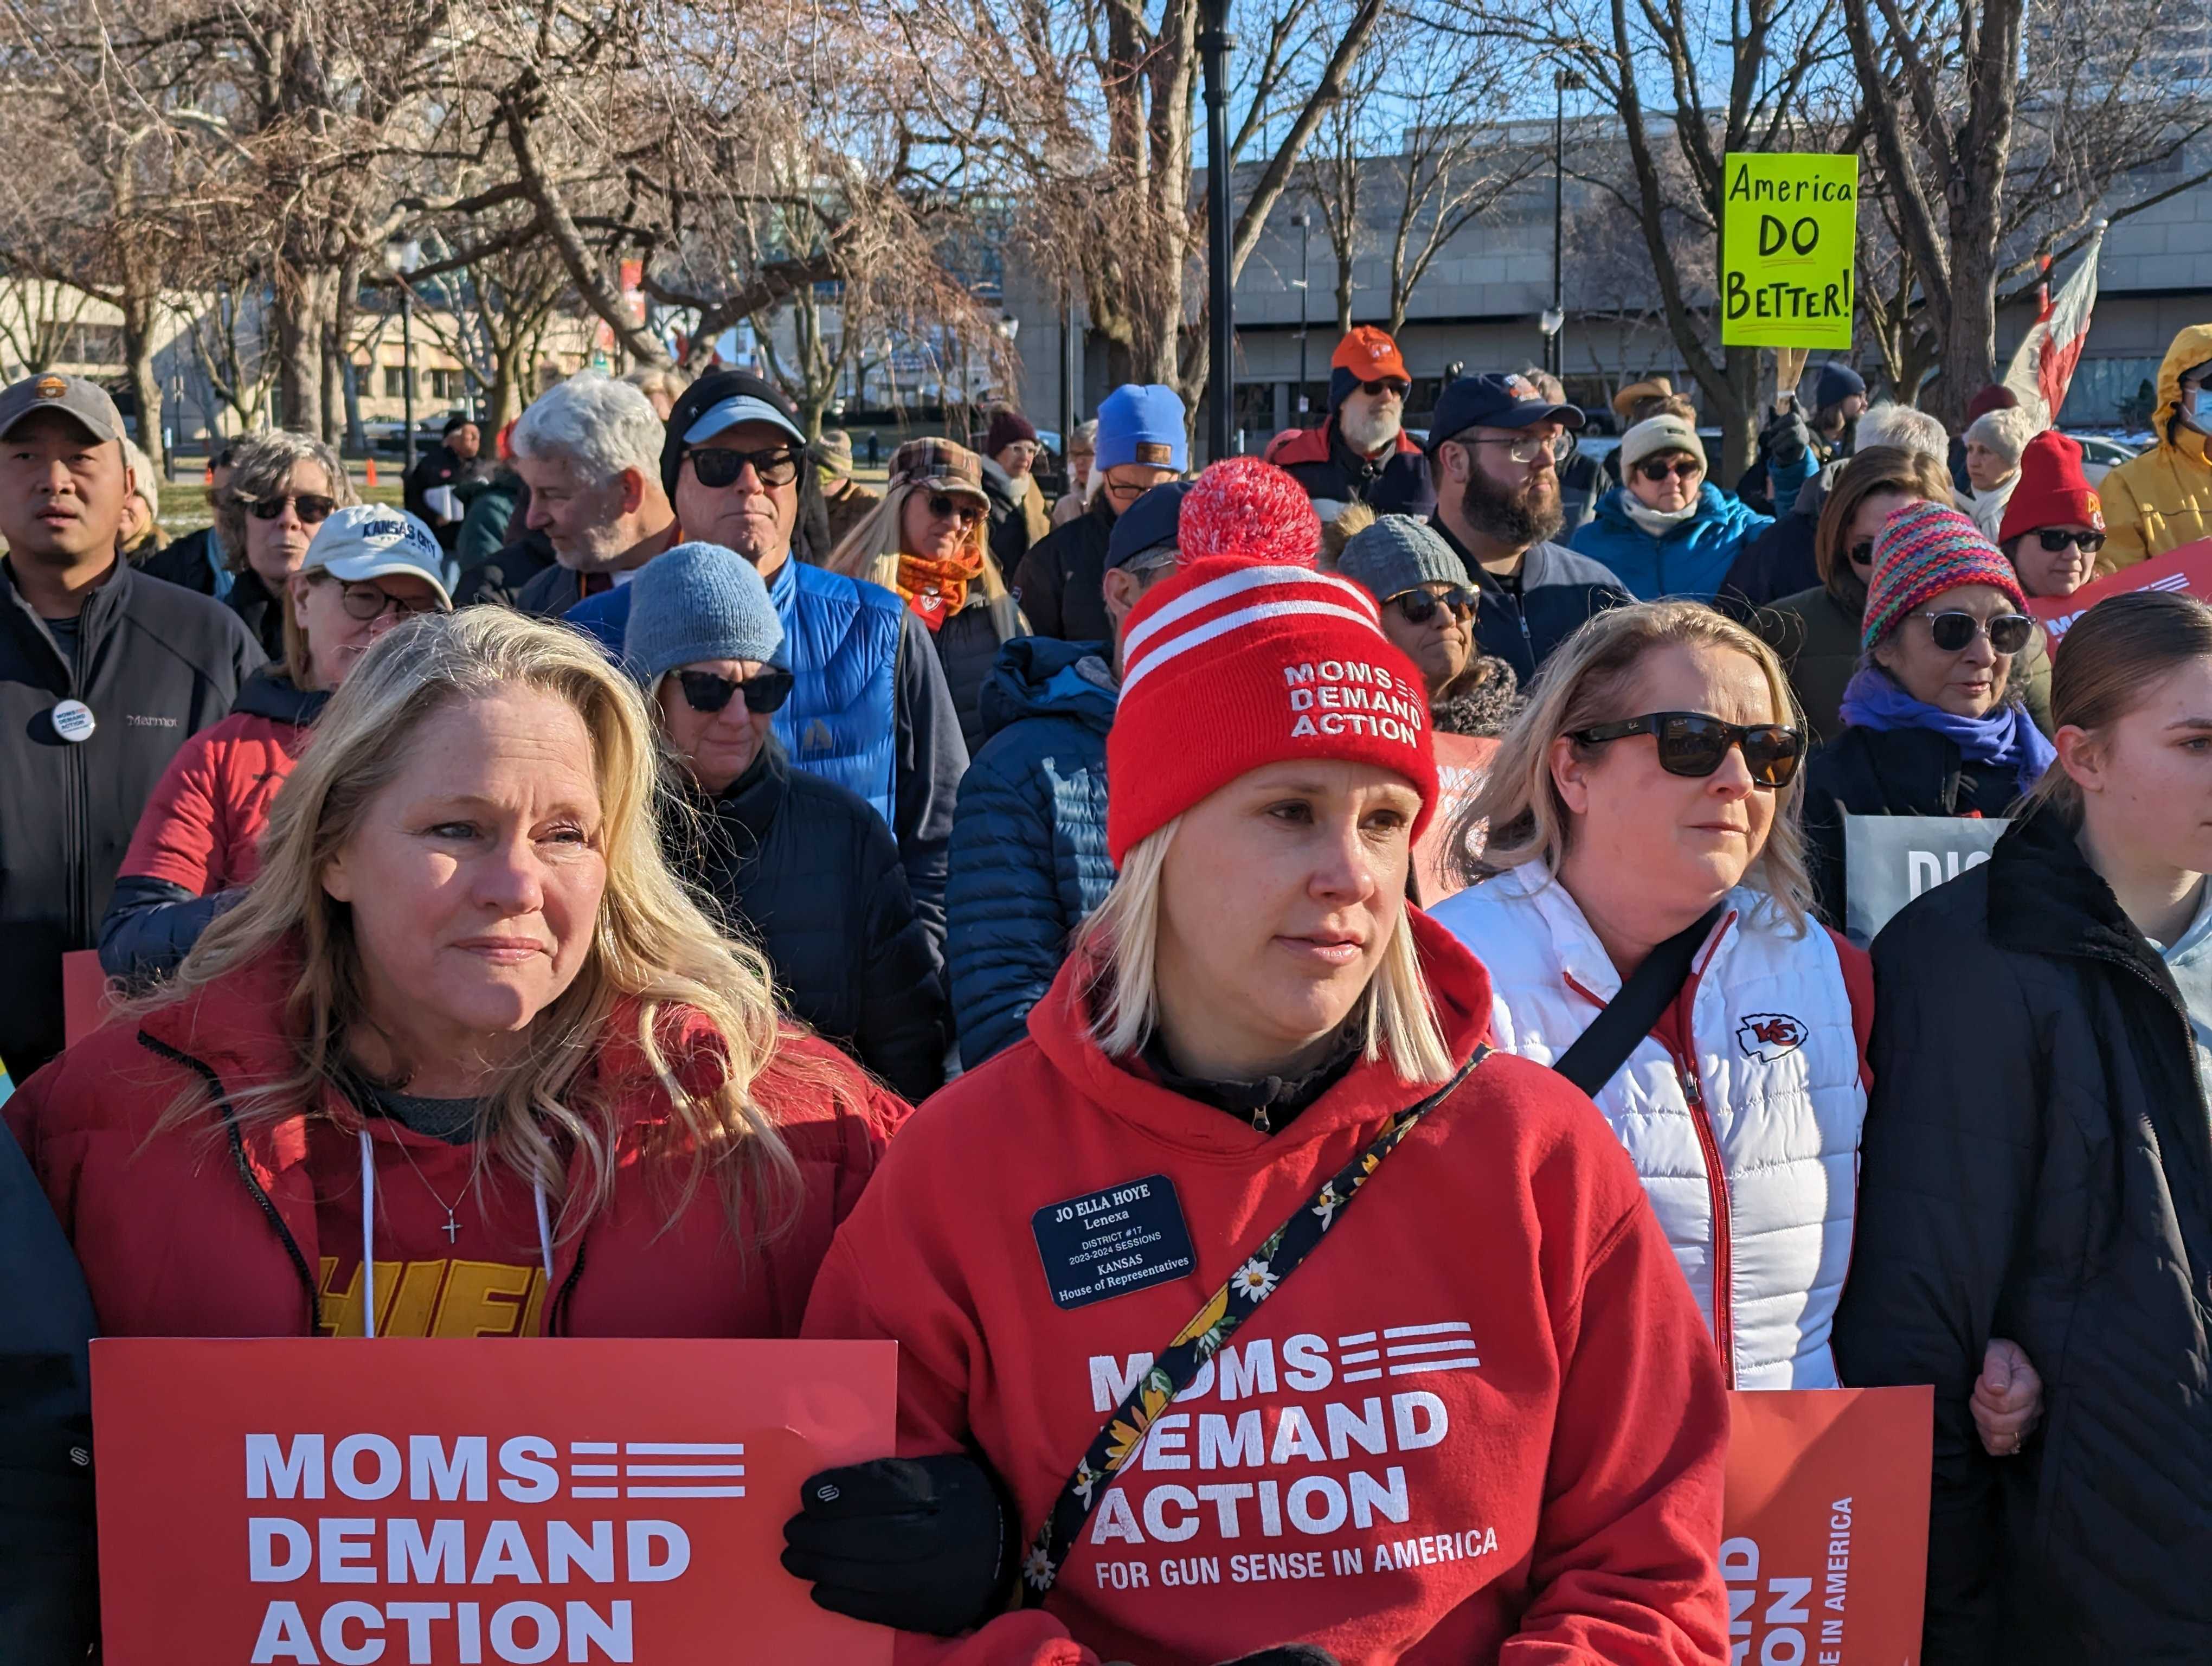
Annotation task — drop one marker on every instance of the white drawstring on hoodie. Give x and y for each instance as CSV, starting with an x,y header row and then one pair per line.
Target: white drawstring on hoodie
x,y
368,1234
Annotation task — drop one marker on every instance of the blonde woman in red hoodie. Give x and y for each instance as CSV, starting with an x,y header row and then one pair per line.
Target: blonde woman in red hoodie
x,y
1288,1316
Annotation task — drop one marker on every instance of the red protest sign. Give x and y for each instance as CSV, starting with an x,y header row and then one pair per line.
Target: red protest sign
x,y
1462,761
2187,569
457,1503
1824,1536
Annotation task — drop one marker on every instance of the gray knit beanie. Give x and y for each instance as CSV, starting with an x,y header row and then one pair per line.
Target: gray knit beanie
x,y
697,601
1398,553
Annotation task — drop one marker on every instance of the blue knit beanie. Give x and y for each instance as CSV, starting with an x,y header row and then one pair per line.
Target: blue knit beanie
x,y
698,601
1141,425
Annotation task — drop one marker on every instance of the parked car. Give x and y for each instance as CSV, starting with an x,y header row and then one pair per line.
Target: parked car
x,y
2100,452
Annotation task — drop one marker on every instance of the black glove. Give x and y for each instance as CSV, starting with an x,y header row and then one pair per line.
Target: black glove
x,y
1286,1654
921,1544
1785,437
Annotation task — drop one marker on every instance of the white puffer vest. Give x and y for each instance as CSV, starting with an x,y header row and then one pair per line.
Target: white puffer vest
x,y
1749,1150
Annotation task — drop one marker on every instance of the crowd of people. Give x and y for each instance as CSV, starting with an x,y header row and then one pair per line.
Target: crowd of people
x,y
586,870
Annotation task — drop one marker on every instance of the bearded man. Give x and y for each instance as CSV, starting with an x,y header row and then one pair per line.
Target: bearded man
x,y
1361,454
1495,450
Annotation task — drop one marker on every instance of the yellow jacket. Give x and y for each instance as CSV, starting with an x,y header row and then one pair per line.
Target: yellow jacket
x,y
2163,499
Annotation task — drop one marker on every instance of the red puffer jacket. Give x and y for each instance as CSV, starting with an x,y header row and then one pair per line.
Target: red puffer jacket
x,y
200,833
211,1231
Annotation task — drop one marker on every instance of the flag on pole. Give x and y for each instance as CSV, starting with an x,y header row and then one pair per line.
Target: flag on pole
x,y
2043,366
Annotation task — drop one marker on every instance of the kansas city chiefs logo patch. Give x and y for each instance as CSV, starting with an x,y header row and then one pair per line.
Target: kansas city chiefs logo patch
x,y
1768,1035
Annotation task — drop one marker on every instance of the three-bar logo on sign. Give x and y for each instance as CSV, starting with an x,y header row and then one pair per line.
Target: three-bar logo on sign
x,y
1768,1035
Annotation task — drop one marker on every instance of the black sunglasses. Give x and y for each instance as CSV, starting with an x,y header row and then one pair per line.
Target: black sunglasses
x,y
765,691
1688,467
1388,385
718,466
2055,541
1692,744
964,511
1420,606
2008,633
1862,553
313,508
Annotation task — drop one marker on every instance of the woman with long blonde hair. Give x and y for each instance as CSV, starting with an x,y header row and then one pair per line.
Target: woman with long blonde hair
x,y
1280,1266
929,540
466,1060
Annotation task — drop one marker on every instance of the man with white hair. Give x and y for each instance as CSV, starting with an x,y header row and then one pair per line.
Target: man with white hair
x,y
1781,562
589,450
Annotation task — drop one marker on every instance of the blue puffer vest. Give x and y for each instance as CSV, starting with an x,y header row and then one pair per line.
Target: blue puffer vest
x,y
841,640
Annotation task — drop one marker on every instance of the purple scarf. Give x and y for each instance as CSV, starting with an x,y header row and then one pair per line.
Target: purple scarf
x,y
2007,736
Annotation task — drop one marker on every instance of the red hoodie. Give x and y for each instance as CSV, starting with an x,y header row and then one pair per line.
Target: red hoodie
x,y
1483,1422
215,1231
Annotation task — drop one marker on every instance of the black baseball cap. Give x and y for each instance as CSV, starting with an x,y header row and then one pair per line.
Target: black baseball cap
x,y
458,419
1495,401
1152,522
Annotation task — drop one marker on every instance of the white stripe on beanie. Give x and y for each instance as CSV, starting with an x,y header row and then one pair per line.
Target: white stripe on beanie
x,y
1221,623
1326,586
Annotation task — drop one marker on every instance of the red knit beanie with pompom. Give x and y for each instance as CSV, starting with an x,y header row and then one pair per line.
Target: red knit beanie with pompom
x,y
1230,664
1247,508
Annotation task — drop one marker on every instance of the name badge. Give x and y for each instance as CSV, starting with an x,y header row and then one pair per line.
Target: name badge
x,y
1126,1238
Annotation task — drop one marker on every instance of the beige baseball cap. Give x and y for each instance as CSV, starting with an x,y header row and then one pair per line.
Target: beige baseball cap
x,y
85,401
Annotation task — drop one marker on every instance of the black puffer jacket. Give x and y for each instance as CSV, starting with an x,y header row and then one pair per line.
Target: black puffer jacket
x,y
2037,1165
1889,772
1061,581
155,664
262,612
968,645
809,873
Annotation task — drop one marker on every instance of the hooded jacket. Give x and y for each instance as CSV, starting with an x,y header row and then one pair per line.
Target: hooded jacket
x,y
1689,560
2163,499
1482,1422
809,873
211,1231
156,665
1029,854
1333,475
1559,593
200,835
1741,1110
2037,1165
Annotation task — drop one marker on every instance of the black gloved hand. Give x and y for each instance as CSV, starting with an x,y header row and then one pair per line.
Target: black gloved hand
x,y
1785,438
921,1544
1286,1654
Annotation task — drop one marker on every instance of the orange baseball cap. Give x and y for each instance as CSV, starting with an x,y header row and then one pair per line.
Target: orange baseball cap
x,y
1370,354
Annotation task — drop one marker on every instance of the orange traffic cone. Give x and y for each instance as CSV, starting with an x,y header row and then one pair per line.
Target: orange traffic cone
x,y
209,481
372,474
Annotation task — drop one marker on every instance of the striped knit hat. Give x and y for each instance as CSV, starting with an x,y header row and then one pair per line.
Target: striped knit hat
x,y
1230,665
1925,548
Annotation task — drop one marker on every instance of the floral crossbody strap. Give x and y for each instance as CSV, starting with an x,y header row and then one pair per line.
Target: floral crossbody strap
x,y
1279,1255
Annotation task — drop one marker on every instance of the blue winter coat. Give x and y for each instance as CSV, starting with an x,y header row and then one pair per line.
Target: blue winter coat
x,y
1028,839
1693,558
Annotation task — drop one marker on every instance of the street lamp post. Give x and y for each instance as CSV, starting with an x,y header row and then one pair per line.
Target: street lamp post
x,y
1555,349
1304,221
401,258
1215,43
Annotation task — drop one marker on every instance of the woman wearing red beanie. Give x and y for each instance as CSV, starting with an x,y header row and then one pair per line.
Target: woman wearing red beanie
x,y
2054,525
1293,1315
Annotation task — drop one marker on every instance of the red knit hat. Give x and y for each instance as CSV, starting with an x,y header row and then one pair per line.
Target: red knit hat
x,y
2052,491
1249,508
1231,664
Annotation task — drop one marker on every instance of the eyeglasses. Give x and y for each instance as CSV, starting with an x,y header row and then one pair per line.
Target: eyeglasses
x,y
2054,540
1691,744
1529,449
1954,631
365,602
1132,489
765,690
1687,468
964,511
717,466
1386,385
313,508
1420,606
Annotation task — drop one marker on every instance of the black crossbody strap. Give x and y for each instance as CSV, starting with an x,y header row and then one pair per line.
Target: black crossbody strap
x,y
1628,1017
1279,1255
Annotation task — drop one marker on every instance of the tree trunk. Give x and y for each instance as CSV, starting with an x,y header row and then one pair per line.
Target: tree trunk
x,y
299,353
140,310
1737,412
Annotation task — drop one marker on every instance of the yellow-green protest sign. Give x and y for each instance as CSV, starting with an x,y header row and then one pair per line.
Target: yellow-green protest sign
x,y
1788,228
